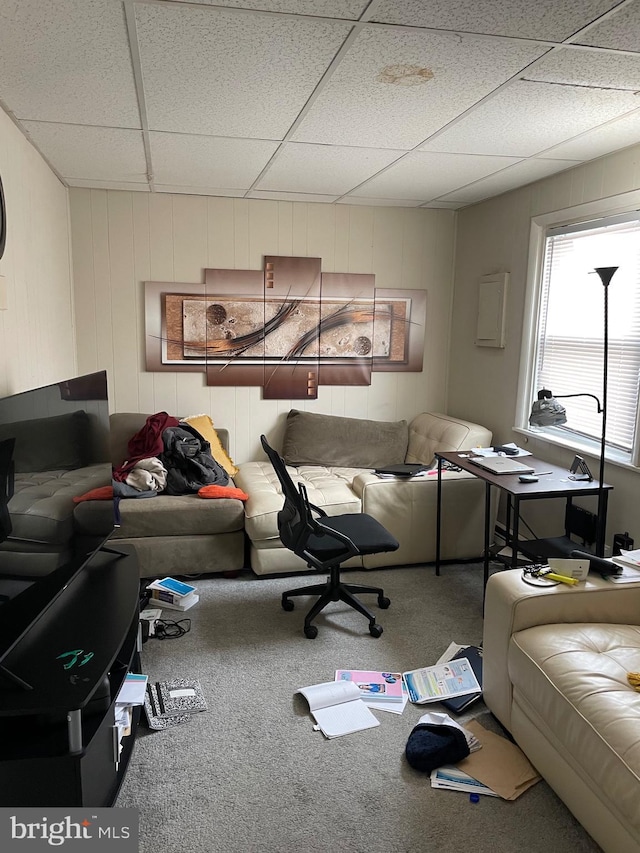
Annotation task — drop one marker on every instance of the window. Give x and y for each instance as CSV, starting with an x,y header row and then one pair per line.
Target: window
x,y
569,336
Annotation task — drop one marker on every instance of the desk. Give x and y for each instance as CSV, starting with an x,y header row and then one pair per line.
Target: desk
x,y
556,484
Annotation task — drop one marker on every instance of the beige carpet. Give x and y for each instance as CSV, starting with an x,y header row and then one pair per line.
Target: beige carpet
x,y
251,776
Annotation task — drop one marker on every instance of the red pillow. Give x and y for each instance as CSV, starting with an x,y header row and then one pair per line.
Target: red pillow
x,y
103,493
223,492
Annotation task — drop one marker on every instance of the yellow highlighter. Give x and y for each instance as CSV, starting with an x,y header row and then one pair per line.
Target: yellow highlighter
x,y
552,576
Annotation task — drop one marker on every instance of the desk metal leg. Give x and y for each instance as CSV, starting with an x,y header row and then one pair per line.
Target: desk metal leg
x,y
601,528
487,532
516,525
438,515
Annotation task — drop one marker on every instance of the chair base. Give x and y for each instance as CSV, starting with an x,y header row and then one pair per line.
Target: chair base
x,y
335,590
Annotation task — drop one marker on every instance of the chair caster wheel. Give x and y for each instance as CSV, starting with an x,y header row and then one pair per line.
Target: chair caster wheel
x,y
383,602
375,630
287,604
310,632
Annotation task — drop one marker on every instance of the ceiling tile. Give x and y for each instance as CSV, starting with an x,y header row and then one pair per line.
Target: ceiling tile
x,y
394,88
617,134
620,31
282,196
527,118
217,72
346,9
542,19
380,202
225,192
425,176
323,168
518,175
582,67
67,62
91,153
193,161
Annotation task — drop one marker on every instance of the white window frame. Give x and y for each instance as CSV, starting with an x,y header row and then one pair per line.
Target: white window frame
x,y
614,205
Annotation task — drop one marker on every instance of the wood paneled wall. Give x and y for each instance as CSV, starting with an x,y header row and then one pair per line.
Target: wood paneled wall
x,y
37,342
121,239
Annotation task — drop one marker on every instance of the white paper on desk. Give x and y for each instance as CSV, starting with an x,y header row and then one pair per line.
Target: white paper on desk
x,y
337,708
489,451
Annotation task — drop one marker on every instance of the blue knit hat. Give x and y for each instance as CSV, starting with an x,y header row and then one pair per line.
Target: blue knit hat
x,y
430,746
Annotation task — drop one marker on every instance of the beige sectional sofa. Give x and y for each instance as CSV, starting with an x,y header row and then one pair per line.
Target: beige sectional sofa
x,y
555,675
315,445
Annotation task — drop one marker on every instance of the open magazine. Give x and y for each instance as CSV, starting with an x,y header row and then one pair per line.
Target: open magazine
x,y
442,681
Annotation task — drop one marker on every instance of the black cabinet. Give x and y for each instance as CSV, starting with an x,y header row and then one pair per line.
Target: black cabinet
x,y
60,745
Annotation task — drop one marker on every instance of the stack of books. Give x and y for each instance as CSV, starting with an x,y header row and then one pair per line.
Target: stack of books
x,y
173,594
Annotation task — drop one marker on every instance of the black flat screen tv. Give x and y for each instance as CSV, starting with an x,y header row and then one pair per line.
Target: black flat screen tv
x,y
56,448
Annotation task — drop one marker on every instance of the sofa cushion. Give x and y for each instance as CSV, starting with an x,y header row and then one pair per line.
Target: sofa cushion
x,y
571,678
42,507
315,439
430,432
329,488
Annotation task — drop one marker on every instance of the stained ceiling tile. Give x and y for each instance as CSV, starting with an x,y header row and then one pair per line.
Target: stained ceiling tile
x,y
425,176
217,72
323,168
528,118
67,62
518,175
91,153
347,9
394,88
542,19
192,161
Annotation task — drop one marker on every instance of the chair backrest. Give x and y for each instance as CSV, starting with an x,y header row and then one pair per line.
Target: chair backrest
x,y
295,522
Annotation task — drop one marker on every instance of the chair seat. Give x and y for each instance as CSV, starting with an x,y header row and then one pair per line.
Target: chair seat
x,y
367,534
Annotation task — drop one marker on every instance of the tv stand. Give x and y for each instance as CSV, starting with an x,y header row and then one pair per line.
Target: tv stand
x,y
60,744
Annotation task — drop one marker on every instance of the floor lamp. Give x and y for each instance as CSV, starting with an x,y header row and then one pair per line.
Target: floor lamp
x,y
546,411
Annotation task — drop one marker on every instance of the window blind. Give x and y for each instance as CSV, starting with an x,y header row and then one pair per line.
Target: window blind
x,y
570,341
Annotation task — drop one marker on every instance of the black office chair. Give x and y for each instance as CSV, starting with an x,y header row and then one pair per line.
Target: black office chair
x,y
324,542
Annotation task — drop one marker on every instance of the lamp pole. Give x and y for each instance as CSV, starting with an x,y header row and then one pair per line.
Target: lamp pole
x,y
605,274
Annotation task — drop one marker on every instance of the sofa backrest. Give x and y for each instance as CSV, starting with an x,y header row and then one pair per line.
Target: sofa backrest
x,y
124,425
430,432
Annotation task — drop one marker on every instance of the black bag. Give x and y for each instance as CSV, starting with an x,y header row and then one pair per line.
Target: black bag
x,y
189,463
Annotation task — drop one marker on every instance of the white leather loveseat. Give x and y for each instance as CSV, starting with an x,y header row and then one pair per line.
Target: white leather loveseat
x,y
555,670
407,508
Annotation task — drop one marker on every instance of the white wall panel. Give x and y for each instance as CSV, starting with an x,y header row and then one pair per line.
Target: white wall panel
x,y
37,343
493,236
122,239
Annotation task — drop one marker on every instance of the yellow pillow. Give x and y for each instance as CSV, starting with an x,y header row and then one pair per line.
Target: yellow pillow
x,y
204,425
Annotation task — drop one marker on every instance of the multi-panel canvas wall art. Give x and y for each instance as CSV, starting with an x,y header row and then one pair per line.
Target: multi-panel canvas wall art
x,y
288,327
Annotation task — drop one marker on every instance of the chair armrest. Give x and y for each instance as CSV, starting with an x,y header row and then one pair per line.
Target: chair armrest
x,y
511,605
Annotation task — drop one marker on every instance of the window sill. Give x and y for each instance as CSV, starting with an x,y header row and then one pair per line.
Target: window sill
x,y
584,447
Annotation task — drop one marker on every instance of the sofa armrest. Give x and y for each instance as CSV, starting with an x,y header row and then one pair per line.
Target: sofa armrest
x,y
430,432
511,605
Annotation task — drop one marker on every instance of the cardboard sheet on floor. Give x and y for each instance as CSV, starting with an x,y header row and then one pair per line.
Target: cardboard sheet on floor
x,y
500,764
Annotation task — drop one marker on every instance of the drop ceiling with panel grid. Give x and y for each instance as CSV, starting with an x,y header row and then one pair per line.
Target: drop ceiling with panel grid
x,y
433,103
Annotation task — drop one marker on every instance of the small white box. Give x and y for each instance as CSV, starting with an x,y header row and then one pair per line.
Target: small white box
x,y
578,569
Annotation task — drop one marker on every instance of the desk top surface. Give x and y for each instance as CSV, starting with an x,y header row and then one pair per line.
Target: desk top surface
x,y
555,481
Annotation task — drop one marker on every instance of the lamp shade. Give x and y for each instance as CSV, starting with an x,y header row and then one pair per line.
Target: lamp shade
x,y
547,411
